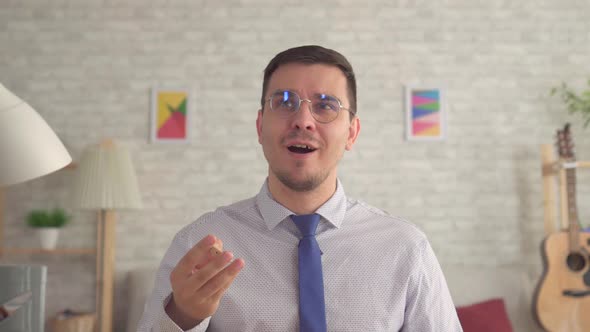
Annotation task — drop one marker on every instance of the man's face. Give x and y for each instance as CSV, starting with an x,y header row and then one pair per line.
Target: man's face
x,y
282,137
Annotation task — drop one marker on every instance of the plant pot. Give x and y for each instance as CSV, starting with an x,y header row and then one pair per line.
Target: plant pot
x,y
48,237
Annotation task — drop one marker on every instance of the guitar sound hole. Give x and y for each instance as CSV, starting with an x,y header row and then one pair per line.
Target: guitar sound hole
x,y
576,262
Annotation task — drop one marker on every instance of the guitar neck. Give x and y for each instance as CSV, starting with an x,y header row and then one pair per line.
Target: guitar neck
x,y
574,226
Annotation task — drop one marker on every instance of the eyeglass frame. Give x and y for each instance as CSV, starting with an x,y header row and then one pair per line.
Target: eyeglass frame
x,y
310,103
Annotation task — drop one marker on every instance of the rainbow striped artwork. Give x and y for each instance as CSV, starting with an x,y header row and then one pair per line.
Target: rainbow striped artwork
x,y
169,115
424,114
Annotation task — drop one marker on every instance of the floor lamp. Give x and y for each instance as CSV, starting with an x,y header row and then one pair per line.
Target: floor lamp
x,y
28,149
106,182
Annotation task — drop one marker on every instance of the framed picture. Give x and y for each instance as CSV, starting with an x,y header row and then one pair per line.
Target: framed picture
x,y
169,116
425,114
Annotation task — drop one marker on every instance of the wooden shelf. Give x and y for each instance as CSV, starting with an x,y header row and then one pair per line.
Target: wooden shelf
x,y
104,255
58,251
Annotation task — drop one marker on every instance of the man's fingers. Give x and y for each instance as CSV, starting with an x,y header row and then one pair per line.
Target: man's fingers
x,y
219,284
214,251
189,284
206,264
214,278
201,276
195,255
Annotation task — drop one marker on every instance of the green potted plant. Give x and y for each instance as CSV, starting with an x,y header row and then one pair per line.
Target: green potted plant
x,y
48,224
576,103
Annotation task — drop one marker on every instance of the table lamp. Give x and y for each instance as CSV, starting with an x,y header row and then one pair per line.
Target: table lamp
x,y
106,181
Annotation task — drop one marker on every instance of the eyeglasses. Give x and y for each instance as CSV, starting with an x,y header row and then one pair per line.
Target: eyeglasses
x,y
324,108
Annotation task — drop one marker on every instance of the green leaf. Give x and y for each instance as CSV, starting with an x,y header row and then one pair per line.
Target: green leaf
x,y
41,218
574,102
38,218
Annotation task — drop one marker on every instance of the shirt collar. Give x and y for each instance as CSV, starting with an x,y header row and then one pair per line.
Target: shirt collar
x,y
273,212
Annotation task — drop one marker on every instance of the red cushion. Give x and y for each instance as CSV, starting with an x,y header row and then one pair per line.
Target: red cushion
x,y
487,316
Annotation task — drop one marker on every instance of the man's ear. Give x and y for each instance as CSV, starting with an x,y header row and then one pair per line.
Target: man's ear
x,y
353,132
259,125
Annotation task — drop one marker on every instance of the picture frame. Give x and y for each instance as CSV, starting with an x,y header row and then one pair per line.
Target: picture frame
x,y
170,115
425,109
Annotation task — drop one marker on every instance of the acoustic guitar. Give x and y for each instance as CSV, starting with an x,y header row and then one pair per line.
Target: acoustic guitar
x,y
562,298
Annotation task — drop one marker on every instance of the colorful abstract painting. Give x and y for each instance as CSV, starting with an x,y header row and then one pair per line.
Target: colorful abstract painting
x,y
169,115
424,114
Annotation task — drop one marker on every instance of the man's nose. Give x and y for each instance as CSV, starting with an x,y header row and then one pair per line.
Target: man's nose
x,y
303,118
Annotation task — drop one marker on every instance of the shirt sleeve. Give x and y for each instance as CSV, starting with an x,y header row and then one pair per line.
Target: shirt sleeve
x,y
154,318
429,306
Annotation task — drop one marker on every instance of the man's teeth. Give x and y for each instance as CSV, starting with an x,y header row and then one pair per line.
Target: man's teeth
x,y
302,146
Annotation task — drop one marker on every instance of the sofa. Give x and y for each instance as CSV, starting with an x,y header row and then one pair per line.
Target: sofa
x,y
468,285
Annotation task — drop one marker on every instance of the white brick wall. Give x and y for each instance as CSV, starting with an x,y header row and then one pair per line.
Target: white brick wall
x,y
87,67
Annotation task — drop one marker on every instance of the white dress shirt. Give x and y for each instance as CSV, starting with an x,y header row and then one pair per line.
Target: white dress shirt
x,y
380,273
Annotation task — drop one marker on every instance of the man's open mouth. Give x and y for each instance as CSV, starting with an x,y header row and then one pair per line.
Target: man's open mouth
x,y
300,149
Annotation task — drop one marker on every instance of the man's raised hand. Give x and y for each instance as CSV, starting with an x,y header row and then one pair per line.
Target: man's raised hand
x,y
199,280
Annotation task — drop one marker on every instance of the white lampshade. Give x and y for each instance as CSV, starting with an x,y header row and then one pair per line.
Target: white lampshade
x,y
106,179
28,147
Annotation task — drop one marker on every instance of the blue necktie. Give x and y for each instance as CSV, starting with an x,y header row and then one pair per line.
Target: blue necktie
x,y
312,309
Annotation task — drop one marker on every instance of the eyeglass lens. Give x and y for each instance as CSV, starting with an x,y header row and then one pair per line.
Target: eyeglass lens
x,y
324,108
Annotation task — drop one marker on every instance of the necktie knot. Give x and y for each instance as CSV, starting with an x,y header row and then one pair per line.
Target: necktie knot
x,y
307,223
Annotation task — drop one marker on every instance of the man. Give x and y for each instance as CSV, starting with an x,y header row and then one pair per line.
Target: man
x,y
359,270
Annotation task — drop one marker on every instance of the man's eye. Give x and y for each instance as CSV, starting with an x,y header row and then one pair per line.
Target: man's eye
x,y
322,106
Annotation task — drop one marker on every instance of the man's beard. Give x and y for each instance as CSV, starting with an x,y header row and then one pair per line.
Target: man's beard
x,y
308,184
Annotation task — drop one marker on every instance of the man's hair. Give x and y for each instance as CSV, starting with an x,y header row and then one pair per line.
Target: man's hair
x,y
313,54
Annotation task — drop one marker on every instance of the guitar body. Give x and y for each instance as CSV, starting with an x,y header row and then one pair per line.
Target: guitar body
x,y
554,310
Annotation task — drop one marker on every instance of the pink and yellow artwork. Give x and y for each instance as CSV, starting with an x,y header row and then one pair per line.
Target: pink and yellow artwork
x,y
169,116
425,114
